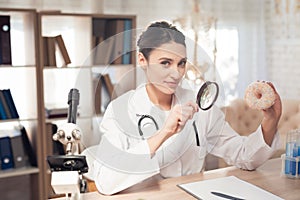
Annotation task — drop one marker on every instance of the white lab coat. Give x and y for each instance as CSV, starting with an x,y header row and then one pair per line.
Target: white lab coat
x,y
122,159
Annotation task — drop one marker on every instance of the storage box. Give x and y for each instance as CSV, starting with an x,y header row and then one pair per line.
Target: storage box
x,y
290,166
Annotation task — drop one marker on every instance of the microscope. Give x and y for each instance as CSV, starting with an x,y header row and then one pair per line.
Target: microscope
x,y
67,170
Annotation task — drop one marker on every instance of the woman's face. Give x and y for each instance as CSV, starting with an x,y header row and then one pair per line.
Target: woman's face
x,y
165,67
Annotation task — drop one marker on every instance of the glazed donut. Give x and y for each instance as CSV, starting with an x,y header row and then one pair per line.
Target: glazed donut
x,y
259,95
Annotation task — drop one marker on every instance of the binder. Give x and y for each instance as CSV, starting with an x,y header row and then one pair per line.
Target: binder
x,y
2,110
6,113
7,160
11,105
28,147
18,151
5,40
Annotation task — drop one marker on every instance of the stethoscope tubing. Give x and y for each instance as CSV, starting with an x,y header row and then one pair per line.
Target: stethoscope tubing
x,y
156,126
140,121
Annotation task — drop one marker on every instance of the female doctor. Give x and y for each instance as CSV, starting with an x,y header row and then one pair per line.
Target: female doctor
x,y
174,135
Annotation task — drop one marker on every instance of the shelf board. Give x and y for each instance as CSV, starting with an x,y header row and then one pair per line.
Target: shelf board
x,y
17,66
66,67
15,10
90,66
49,120
17,120
18,172
112,65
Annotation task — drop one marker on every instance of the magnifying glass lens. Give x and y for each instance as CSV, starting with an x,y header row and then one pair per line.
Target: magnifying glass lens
x,y
207,95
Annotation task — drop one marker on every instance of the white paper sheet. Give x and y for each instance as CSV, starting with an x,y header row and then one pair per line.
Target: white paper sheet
x,y
230,185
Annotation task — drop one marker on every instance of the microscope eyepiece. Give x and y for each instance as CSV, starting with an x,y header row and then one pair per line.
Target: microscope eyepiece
x,y
73,101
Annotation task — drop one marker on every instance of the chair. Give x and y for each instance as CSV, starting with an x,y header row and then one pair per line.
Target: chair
x,y
245,120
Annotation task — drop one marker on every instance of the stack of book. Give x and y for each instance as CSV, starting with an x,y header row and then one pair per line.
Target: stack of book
x,y
112,41
7,106
56,112
16,150
50,46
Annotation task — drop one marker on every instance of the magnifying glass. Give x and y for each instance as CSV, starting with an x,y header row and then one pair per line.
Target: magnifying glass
x,y
207,95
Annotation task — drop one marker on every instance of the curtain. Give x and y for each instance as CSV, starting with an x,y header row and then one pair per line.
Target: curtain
x,y
247,17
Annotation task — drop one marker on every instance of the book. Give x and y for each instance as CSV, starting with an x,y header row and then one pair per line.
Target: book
x,y
108,40
18,151
51,41
97,85
45,51
28,147
126,58
56,112
119,42
103,52
7,160
98,30
5,40
107,91
11,104
62,47
106,81
3,107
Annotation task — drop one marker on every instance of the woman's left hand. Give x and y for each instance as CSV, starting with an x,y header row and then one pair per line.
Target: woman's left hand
x,y
271,118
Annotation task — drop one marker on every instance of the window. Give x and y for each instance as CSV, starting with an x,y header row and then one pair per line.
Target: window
x,y
227,60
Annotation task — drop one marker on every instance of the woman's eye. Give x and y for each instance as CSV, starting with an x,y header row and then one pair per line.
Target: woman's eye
x,y
182,64
165,63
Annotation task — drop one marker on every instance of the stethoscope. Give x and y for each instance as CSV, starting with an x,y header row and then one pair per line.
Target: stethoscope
x,y
206,97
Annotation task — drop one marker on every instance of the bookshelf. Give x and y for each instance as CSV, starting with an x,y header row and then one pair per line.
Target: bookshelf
x,y
19,75
92,51
37,84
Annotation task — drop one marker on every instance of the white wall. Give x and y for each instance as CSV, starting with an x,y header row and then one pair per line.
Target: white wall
x,y
283,46
267,51
262,55
63,5
147,11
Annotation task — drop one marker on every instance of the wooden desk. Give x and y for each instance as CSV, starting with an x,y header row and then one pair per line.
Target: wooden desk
x,y
267,177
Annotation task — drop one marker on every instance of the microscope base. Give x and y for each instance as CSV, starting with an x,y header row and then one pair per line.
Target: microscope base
x,y
65,182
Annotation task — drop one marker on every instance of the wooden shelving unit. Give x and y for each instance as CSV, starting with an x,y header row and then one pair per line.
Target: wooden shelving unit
x,y
36,86
21,78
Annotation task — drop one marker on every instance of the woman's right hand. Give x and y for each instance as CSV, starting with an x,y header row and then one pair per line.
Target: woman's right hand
x,y
178,117
174,123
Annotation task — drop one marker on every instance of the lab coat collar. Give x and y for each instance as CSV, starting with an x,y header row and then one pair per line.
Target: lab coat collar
x,y
142,104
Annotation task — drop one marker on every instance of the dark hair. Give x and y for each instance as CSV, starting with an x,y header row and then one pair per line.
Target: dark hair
x,y
157,34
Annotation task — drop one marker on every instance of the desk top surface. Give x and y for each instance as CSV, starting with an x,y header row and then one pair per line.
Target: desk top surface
x,y
267,177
